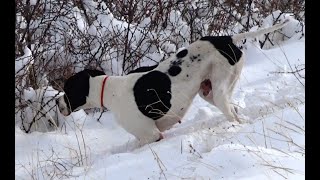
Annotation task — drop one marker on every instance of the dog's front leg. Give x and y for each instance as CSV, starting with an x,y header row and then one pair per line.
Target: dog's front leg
x,y
151,138
167,123
160,138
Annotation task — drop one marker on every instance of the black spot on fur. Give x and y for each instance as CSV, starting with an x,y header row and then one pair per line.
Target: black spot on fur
x,y
226,47
192,58
174,70
76,88
143,69
187,75
195,57
177,62
182,53
152,93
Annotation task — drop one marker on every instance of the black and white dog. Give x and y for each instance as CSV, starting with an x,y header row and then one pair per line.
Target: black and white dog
x,y
151,100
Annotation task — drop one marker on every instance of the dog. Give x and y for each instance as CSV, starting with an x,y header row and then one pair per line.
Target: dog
x,y
150,100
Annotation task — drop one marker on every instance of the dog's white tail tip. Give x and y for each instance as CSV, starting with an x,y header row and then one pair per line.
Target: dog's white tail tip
x,y
238,37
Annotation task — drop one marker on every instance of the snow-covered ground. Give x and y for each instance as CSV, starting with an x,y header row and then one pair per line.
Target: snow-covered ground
x,y
270,145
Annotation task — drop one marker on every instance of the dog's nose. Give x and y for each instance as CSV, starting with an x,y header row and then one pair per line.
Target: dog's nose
x,y
66,113
63,109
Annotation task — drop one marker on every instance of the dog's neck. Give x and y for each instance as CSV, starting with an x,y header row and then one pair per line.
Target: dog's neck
x,y
110,89
97,92
102,91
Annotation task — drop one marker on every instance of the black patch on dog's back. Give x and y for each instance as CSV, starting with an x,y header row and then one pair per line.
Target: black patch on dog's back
x,y
182,53
174,70
76,88
144,69
226,47
152,93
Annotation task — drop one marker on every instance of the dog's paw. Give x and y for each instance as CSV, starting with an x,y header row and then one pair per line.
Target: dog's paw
x,y
242,119
161,137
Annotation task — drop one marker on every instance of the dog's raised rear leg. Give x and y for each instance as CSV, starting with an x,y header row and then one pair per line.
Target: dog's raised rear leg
x,y
234,111
222,103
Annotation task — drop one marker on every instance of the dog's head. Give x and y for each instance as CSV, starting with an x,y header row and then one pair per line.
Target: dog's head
x,y
76,90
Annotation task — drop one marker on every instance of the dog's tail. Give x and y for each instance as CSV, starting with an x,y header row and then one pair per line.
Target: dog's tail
x,y
238,37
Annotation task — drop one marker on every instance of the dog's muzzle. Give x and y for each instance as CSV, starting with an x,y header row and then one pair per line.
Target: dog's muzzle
x,y
62,106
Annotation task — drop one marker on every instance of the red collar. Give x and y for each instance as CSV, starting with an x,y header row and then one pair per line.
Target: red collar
x,y
102,89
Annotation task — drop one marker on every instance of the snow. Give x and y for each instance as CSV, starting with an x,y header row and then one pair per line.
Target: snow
x,y
33,2
80,21
22,63
269,145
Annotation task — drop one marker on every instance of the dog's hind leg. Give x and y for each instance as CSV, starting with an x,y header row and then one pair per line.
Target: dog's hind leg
x,y
235,77
206,93
234,109
222,103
